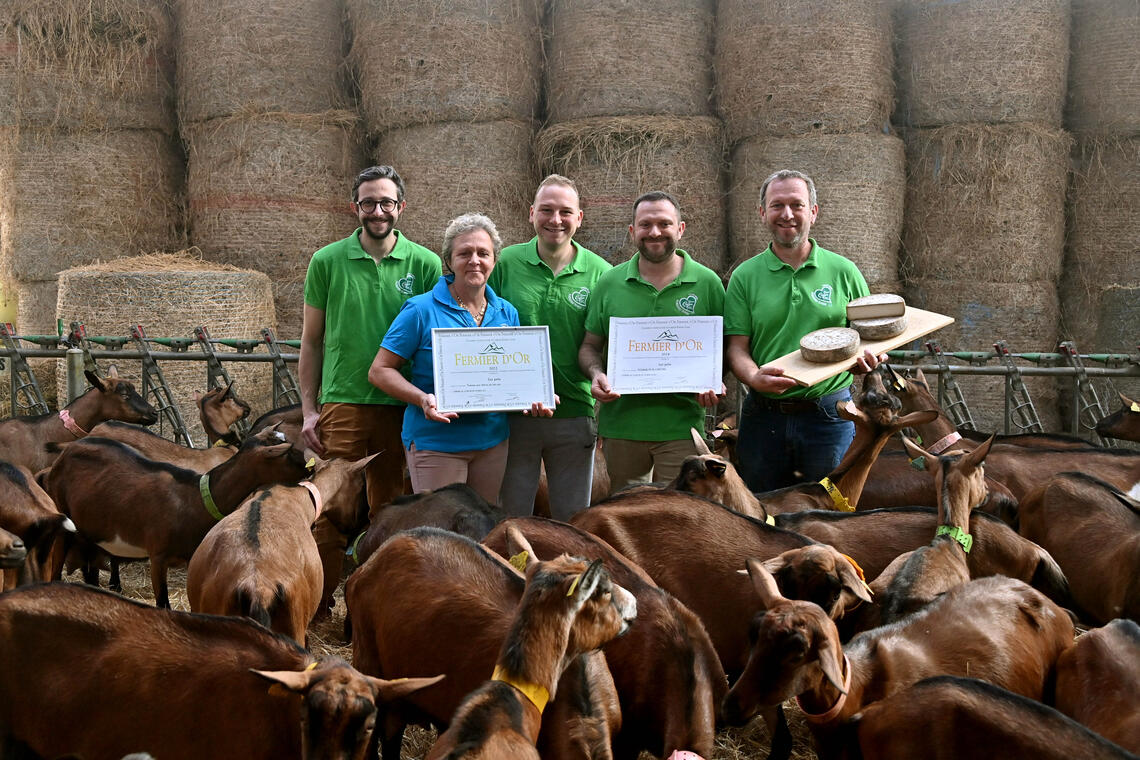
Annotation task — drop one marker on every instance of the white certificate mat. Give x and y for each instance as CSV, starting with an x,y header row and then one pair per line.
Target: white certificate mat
x,y
665,354
491,369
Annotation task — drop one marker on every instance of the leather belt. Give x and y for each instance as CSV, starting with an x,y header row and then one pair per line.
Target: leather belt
x,y
786,406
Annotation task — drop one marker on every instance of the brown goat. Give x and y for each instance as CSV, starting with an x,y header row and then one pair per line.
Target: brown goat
x,y
218,409
159,449
568,608
948,718
431,583
28,512
261,560
132,507
666,670
997,629
715,478
1093,530
1124,423
24,440
118,677
934,569
1098,680
12,556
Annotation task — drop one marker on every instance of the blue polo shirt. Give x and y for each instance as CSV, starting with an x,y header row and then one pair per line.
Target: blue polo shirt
x,y
410,338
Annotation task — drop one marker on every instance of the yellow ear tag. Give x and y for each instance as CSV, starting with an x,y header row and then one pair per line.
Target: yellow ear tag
x,y
574,585
311,463
1135,407
312,666
519,562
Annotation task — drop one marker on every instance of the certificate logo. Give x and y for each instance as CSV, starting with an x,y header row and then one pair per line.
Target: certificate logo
x,y
688,304
492,348
406,283
822,295
579,298
666,335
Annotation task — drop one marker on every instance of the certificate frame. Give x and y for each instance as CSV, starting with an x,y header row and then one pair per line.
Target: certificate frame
x,y
665,354
491,369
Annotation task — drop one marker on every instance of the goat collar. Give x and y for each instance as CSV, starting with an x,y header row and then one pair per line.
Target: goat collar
x,y
536,693
944,443
835,708
837,497
956,533
70,423
207,497
309,486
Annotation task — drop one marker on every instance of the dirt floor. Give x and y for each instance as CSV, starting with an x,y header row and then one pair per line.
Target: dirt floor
x,y
327,638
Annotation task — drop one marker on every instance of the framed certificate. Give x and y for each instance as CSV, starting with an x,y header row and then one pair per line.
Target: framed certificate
x,y
665,354
491,369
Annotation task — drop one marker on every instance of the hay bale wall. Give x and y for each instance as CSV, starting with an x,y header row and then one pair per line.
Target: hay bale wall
x,y
454,168
245,56
72,198
170,295
86,64
265,191
614,160
35,307
625,57
788,67
860,186
988,61
1102,260
1104,80
445,60
985,203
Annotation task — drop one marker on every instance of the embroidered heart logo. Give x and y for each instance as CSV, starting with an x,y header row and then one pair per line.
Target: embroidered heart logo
x,y
688,304
579,298
822,295
406,283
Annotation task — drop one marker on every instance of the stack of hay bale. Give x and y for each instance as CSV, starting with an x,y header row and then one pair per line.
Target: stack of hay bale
x,y
981,89
449,92
272,146
177,292
89,169
628,89
808,86
1100,287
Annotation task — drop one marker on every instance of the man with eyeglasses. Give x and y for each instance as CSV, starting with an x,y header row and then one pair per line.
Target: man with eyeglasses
x,y
353,290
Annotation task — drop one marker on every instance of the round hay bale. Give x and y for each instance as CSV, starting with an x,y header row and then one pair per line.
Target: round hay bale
x,y
985,203
597,63
613,161
1104,212
787,67
68,199
170,295
860,182
86,64
35,307
1022,313
1104,81
243,56
455,168
445,60
265,191
991,61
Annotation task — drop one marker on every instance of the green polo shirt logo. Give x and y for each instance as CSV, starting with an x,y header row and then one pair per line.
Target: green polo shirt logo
x,y
579,298
688,304
406,284
822,295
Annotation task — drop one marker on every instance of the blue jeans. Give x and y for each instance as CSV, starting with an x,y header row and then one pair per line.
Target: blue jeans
x,y
779,448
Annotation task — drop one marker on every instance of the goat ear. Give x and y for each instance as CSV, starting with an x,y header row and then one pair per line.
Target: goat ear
x,y
974,459
917,452
716,467
387,691
763,583
583,588
852,580
95,380
848,411
699,442
914,419
293,680
517,544
920,377
360,464
197,397
831,660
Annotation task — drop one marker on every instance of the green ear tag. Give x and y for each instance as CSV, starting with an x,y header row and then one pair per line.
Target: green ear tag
x,y
519,562
918,463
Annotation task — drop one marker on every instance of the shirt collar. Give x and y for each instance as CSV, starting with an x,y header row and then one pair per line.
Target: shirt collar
x,y
356,250
775,264
688,268
442,293
534,259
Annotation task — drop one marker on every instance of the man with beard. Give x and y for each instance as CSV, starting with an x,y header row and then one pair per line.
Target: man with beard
x,y
647,435
550,280
353,290
789,434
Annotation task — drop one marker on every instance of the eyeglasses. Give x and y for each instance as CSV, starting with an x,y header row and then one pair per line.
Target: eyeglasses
x,y
387,205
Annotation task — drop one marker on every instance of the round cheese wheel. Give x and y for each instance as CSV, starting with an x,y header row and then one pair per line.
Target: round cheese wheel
x,y
875,306
831,344
879,329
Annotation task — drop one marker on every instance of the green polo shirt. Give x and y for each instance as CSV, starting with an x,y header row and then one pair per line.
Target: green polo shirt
x,y
559,302
775,306
360,298
621,292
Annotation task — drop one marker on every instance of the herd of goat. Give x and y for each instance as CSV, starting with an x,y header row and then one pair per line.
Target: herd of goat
x,y
942,597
